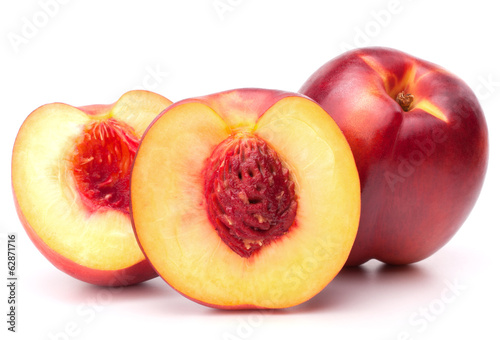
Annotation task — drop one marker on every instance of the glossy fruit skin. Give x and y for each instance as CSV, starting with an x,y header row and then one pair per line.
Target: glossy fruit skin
x,y
420,175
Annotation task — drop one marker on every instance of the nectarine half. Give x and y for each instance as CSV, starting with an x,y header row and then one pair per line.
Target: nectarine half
x,y
245,199
70,177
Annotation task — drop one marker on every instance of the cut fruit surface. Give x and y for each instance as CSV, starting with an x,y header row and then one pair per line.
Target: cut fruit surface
x,y
70,176
288,208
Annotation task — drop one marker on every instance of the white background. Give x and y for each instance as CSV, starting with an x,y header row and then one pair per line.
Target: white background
x,y
89,52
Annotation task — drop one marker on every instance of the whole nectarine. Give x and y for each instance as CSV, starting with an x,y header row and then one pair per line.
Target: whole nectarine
x,y
420,141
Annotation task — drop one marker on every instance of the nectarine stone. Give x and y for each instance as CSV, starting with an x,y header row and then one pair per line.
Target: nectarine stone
x,y
250,193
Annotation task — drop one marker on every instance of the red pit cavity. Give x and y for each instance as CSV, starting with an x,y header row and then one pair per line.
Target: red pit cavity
x,y
249,192
102,162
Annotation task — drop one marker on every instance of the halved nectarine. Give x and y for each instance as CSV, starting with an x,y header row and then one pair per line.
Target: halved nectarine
x,y
245,199
70,177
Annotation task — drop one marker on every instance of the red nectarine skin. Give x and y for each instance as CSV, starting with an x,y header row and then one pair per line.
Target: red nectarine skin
x,y
101,163
96,109
255,102
250,194
420,142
